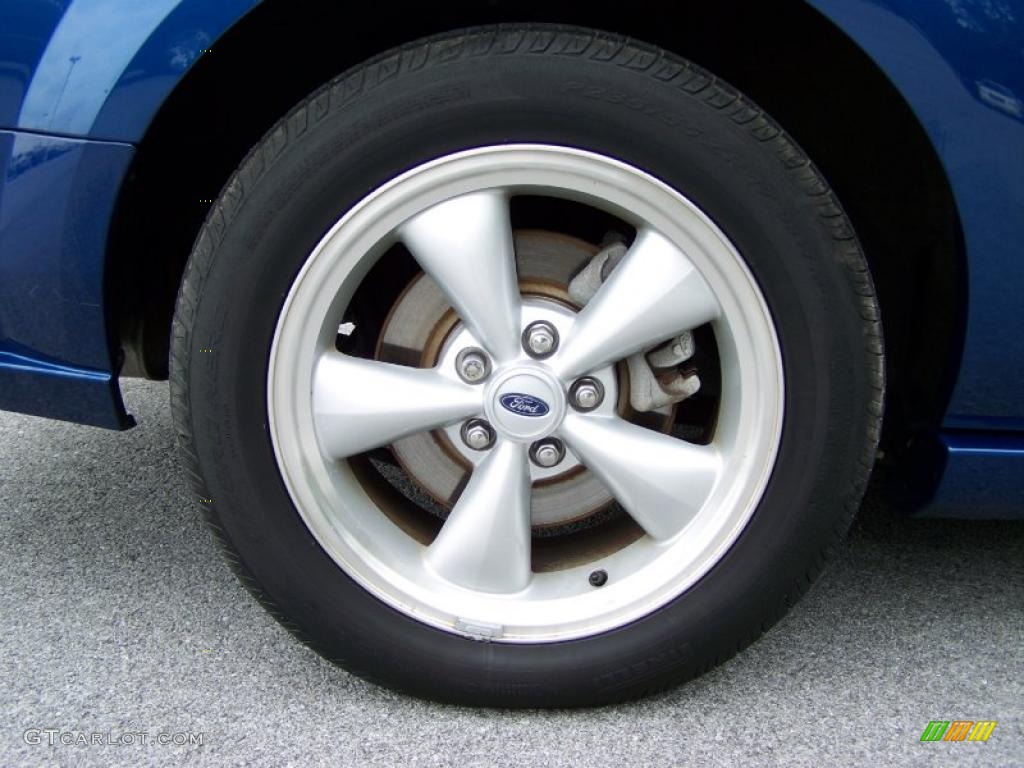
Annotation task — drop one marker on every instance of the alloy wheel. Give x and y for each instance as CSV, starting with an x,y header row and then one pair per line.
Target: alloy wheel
x,y
526,388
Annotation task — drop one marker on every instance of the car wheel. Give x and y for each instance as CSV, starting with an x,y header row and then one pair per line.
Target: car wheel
x,y
527,366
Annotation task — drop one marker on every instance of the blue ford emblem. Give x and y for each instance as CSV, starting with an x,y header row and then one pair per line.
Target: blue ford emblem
x,y
524,405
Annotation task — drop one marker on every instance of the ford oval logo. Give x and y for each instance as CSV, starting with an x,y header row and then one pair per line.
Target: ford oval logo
x,y
524,405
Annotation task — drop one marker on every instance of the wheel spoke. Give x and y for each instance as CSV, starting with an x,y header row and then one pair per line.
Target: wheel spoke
x,y
653,294
661,481
485,542
362,404
465,244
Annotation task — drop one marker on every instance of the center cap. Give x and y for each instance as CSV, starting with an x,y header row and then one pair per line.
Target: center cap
x,y
525,404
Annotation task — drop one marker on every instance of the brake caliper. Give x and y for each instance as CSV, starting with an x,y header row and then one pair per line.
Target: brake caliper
x,y
658,377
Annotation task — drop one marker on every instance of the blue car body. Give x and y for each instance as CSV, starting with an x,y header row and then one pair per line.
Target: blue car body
x,y
82,80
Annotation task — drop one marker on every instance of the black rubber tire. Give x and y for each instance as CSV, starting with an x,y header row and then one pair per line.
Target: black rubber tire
x,y
563,86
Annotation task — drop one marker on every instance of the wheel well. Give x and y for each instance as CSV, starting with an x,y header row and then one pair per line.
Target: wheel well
x,y
804,71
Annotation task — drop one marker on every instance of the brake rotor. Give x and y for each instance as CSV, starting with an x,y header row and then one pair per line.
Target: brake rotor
x,y
415,333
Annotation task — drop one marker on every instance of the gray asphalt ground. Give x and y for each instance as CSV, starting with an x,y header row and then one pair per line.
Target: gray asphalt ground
x,y
119,617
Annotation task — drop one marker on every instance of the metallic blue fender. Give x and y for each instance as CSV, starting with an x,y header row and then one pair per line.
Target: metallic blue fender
x,y
96,70
101,68
960,66
56,199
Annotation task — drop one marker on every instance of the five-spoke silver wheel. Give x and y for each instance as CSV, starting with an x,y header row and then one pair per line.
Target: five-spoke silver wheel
x,y
523,389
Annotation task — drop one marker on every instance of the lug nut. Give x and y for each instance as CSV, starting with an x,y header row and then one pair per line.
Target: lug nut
x,y
540,339
586,394
547,453
477,434
473,365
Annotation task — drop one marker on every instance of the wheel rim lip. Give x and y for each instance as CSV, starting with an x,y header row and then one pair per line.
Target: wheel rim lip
x,y
326,492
